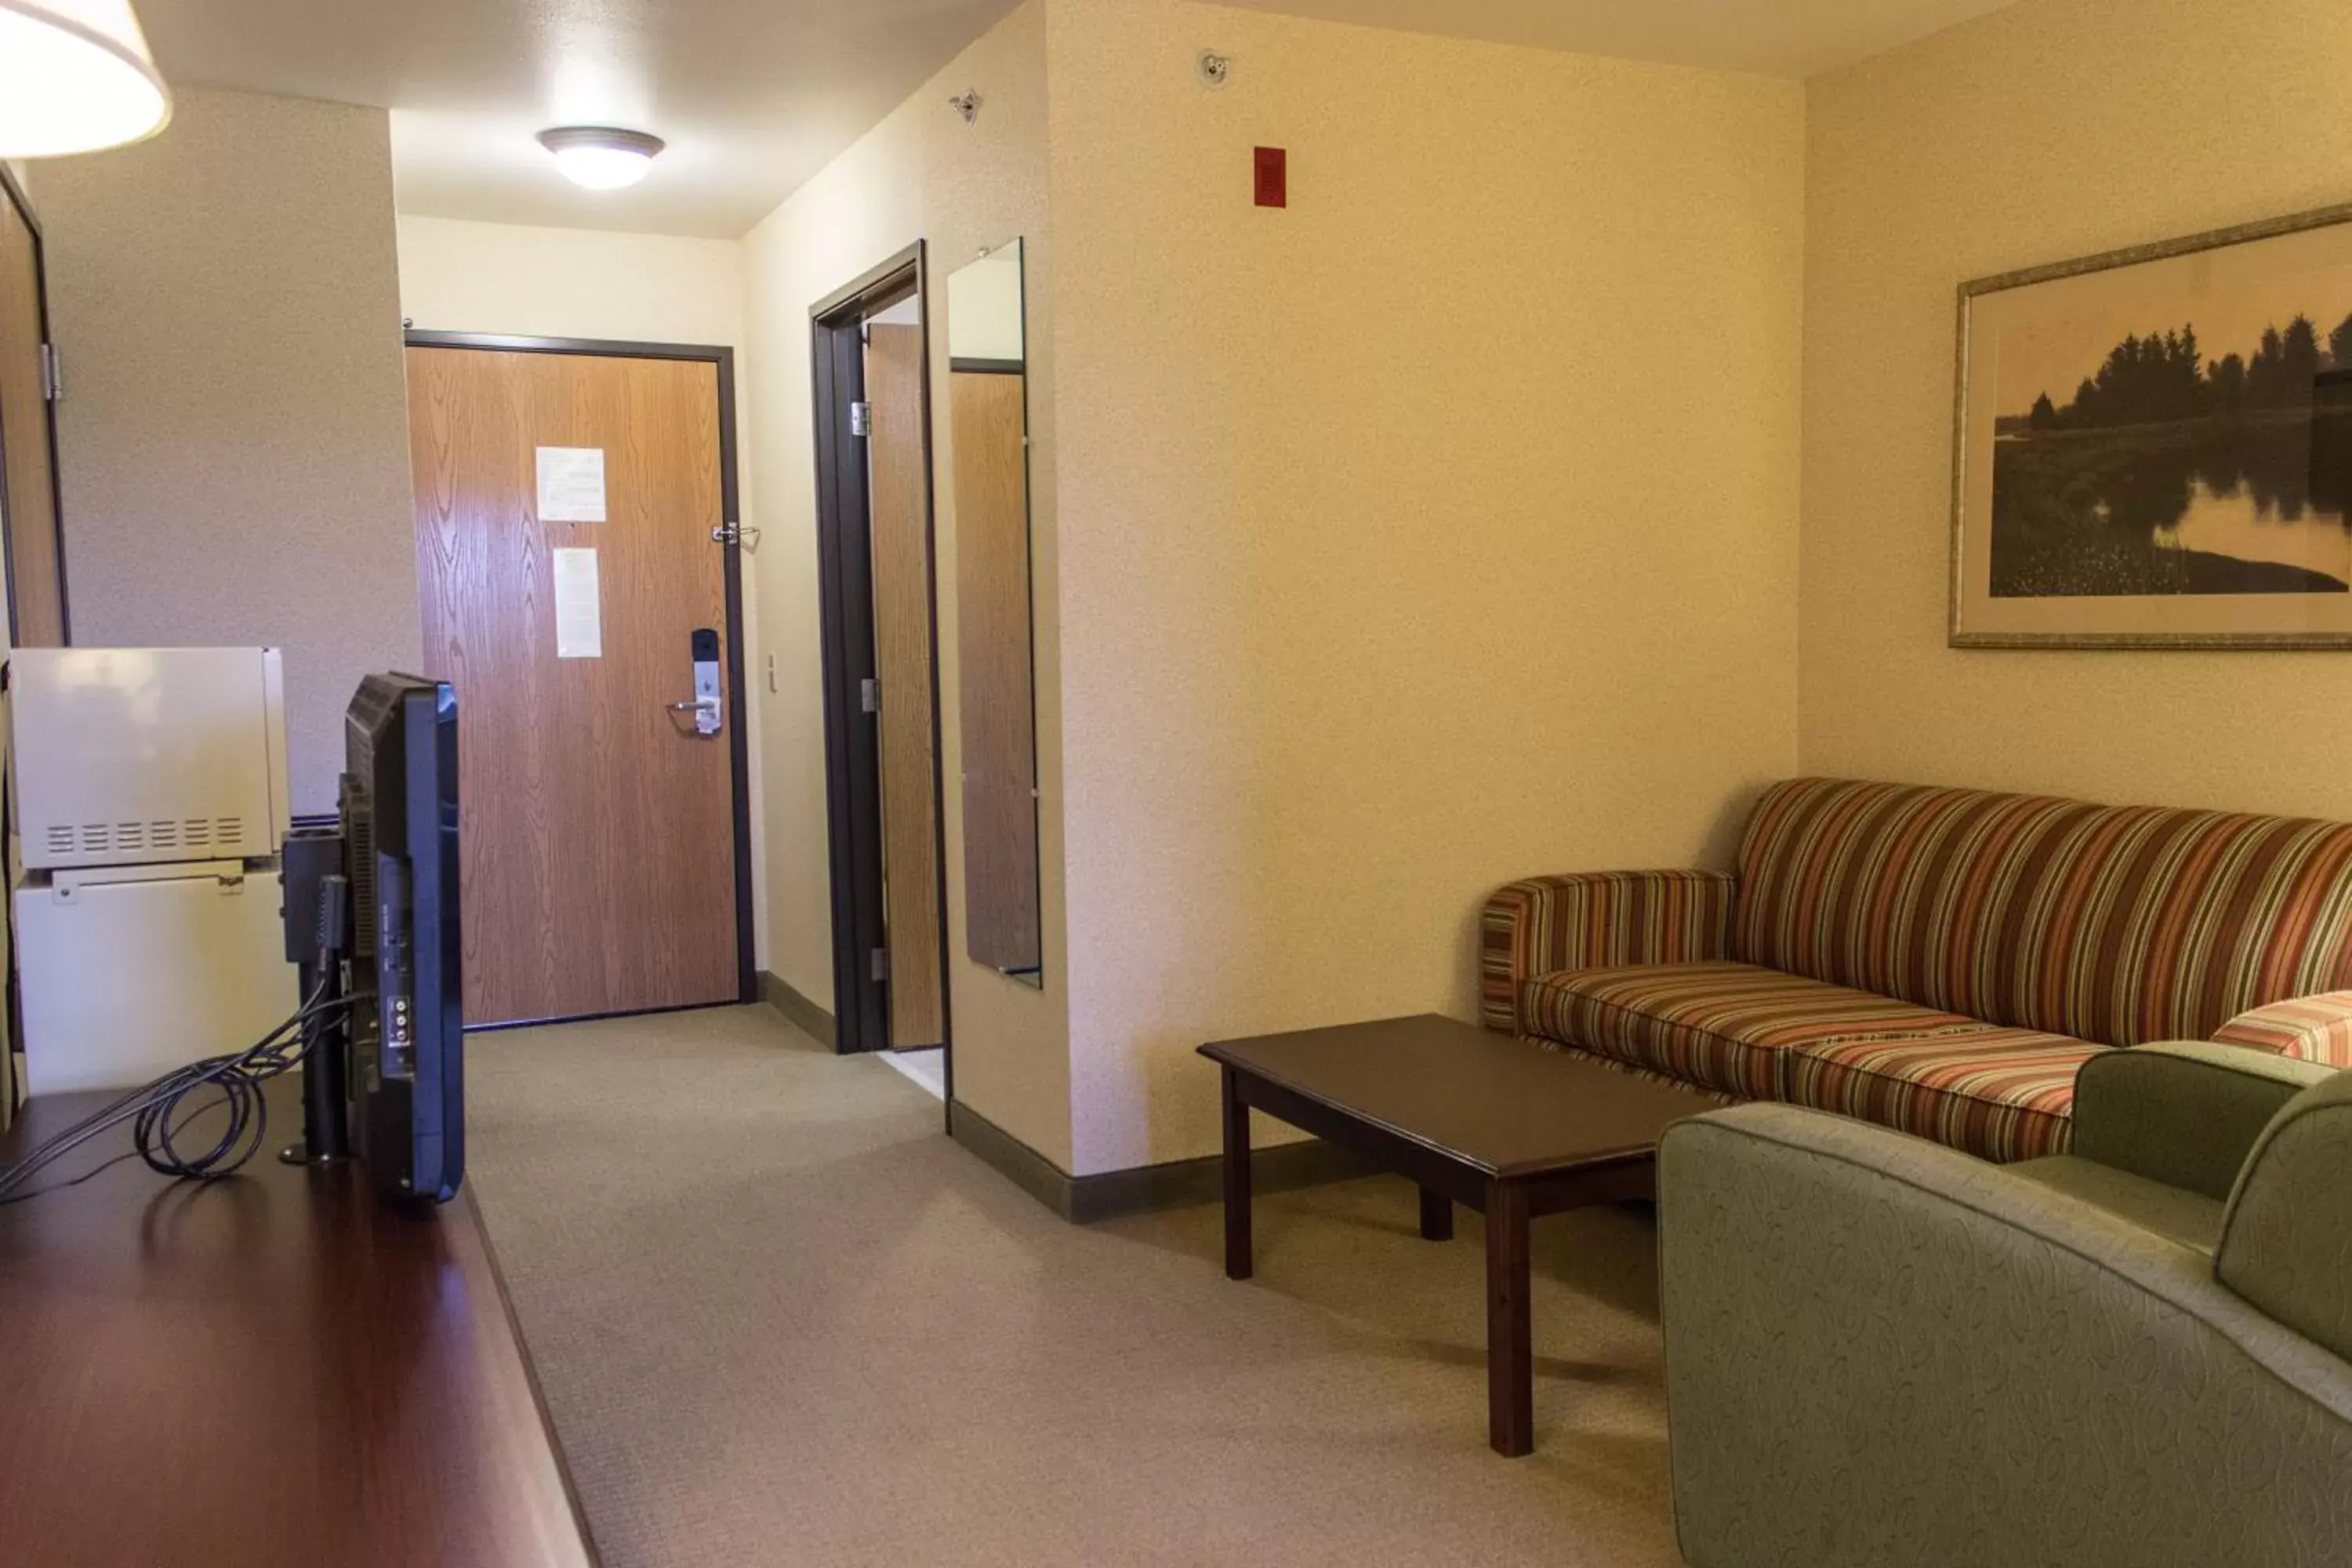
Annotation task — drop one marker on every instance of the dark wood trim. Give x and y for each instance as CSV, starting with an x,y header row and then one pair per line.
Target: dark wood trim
x,y
739,690
846,604
877,288
1144,1189
23,205
797,1008
730,507
603,347
989,366
853,760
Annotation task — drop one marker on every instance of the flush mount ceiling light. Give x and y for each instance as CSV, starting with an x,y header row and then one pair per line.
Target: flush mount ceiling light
x,y
601,157
75,76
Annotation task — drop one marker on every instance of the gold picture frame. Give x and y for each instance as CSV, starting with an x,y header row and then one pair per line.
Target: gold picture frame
x,y
2195,489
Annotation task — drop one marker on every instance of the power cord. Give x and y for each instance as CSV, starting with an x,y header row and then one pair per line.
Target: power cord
x,y
161,1112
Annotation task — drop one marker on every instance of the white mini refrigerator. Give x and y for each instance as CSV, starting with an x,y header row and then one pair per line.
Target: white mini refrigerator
x,y
150,806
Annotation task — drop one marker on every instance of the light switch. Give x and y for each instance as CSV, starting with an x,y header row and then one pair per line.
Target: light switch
x,y
772,672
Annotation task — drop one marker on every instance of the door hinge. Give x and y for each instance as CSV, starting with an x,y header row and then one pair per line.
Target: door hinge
x,y
53,373
736,534
869,695
861,419
879,961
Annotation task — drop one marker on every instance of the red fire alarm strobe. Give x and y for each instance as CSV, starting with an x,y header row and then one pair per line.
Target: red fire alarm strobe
x,y
1273,177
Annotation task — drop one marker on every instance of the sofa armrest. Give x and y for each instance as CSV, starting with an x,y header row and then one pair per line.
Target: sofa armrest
x,y
1881,1350
2185,1113
2310,1028
2286,1241
1593,919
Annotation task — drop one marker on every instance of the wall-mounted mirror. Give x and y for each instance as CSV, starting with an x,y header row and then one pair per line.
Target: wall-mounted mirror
x,y
988,435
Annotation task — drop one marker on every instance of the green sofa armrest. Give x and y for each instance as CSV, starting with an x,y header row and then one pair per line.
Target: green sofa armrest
x,y
2183,1112
1881,1350
2286,1241
2311,1028
1592,919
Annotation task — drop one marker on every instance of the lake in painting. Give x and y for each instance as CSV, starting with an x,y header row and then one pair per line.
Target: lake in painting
x,y
2177,459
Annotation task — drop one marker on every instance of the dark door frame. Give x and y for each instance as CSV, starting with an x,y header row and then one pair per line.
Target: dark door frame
x,y
15,194
730,510
853,752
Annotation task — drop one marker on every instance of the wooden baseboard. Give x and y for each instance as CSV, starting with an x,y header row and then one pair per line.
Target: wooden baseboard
x,y
1181,1183
810,1018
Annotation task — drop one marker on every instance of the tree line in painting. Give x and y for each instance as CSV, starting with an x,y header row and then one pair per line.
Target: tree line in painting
x,y
2149,380
2090,497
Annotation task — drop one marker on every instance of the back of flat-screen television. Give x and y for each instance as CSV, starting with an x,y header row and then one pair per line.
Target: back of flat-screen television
x,y
405,1083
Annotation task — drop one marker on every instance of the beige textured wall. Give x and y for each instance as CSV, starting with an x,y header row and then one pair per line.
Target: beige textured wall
x,y
458,276
1437,530
921,174
234,432
2054,129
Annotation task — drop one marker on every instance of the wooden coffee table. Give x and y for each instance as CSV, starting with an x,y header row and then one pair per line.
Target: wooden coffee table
x,y
1474,1117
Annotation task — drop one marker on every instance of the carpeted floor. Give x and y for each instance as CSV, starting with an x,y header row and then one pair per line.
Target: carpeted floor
x,y
781,1319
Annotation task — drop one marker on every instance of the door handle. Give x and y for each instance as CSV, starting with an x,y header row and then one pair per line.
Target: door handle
x,y
706,711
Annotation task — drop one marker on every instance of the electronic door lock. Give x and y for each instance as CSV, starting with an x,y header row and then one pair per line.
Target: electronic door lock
x,y
705,704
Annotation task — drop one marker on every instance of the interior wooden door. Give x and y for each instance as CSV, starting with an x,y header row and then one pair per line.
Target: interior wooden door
x,y
597,836
36,564
901,516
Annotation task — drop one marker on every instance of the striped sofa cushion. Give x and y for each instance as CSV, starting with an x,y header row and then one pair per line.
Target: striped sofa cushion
x,y
1723,1026
2113,925
1647,1075
2309,1028
2004,1094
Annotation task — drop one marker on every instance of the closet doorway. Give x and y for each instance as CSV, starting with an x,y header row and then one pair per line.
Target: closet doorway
x,y
880,627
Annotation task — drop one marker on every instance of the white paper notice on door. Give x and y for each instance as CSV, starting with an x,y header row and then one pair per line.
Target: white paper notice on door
x,y
571,484
579,617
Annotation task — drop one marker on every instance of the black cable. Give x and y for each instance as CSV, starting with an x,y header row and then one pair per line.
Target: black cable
x,y
131,1104
98,1170
162,1111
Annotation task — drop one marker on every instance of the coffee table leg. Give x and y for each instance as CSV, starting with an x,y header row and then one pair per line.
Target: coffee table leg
x,y
1437,1217
1238,1181
1510,1355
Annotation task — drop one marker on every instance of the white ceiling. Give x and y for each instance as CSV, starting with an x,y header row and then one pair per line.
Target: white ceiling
x,y
754,96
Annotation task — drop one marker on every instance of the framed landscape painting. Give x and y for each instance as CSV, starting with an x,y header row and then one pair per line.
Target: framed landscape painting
x,y
2154,448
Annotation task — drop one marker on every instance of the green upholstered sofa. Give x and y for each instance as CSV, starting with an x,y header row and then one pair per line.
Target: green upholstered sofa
x,y
1883,1352
1938,960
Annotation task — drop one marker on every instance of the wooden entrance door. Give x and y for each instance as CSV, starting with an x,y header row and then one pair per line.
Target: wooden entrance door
x,y
597,835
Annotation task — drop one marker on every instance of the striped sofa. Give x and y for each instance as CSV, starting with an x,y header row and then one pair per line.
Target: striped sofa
x,y
1938,960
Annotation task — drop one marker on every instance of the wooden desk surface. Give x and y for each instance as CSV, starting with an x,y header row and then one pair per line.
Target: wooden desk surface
x,y
275,1369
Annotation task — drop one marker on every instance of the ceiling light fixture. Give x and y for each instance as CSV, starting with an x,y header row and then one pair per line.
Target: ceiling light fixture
x,y
601,157
75,76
